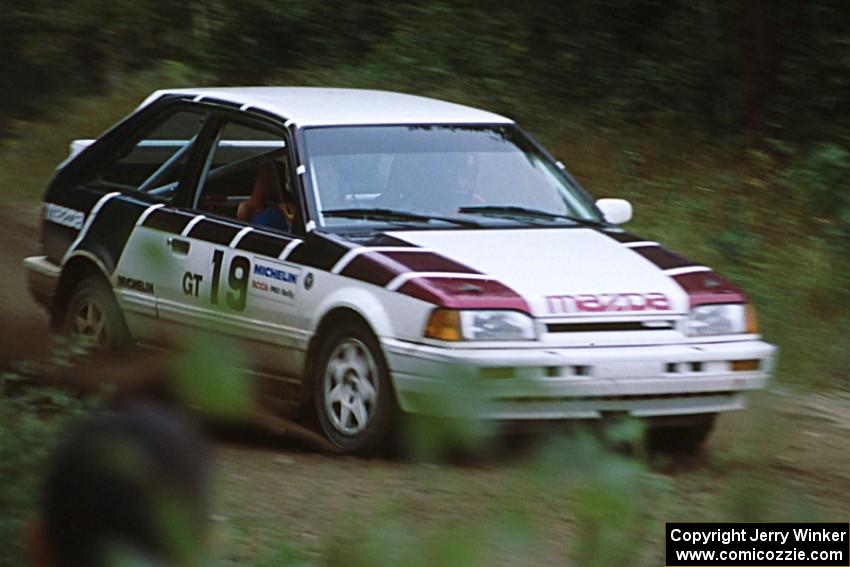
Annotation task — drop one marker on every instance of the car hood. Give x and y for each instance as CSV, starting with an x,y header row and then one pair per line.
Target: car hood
x,y
561,271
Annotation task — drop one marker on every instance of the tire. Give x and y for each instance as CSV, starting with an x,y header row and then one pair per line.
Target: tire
x,y
354,399
93,315
684,439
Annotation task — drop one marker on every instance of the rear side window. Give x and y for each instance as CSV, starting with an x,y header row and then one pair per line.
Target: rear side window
x,y
154,162
245,164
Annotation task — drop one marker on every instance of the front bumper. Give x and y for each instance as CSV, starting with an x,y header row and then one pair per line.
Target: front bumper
x,y
577,383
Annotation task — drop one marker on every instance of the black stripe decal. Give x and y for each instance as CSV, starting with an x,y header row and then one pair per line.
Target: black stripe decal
x,y
621,236
318,251
263,243
657,254
662,257
82,199
109,231
383,240
373,268
215,232
168,220
57,238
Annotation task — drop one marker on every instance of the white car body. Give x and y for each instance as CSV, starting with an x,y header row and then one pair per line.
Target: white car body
x,y
610,311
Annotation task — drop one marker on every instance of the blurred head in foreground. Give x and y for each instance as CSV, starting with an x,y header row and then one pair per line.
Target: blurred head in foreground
x,y
124,488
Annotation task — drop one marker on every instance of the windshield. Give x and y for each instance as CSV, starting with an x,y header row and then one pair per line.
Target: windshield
x,y
483,175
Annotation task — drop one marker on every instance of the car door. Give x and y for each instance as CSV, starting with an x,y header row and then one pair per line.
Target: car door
x,y
152,170
236,281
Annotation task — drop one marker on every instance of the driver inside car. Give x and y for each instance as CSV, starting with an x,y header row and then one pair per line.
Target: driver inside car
x,y
459,188
272,203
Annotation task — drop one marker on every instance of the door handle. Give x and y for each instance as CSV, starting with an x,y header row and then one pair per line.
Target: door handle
x,y
178,246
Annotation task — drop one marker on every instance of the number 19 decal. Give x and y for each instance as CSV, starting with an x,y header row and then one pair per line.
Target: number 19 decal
x,y
237,280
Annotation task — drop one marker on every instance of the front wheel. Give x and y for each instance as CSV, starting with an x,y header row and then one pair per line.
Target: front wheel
x,y
93,316
354,400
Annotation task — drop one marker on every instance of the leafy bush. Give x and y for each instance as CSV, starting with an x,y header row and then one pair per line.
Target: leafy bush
x,y
821,181
725,65
31,419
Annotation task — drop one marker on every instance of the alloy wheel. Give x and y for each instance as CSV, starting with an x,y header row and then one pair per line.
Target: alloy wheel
x,y
350,386
89,322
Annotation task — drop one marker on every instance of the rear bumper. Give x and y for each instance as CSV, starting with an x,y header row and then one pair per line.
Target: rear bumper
x,y
577,383
42,278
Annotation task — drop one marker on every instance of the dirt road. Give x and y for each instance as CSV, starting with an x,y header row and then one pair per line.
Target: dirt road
x,y
785,459
24,330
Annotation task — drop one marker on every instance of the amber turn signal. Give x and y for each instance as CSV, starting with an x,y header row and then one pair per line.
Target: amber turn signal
x,y
744,365
752,322
444,325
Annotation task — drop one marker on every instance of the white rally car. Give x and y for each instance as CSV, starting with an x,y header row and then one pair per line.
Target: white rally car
x,y
370,247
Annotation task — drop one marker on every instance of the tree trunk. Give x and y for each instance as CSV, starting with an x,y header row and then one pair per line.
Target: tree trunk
x,y
756,71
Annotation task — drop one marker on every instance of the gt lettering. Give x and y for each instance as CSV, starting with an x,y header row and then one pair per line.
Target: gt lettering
x,y
192,283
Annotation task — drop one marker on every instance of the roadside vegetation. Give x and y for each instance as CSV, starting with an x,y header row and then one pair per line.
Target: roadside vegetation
x,y
731,141
459,495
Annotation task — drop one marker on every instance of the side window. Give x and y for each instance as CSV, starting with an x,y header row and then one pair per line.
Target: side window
x,y
247,177
155,162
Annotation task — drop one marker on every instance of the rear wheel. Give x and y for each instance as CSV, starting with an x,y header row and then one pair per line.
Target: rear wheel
x,y
93,317
680,439
354,401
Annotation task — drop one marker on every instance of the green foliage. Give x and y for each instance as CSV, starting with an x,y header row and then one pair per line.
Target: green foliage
x,y
30,421
615,505
209,379
32,149
725,65
384,536
283,553
791,265
820,181
80,46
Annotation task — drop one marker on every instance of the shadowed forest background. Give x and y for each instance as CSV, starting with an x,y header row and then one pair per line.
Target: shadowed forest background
x,y
778,68
725,122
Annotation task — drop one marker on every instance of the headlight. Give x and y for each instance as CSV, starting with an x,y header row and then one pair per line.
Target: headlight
x,y
480,325
722,319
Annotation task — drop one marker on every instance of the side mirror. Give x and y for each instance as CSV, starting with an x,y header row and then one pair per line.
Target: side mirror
x,y
616,211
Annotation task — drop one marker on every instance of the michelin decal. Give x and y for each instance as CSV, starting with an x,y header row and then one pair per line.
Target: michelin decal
x,y
275,281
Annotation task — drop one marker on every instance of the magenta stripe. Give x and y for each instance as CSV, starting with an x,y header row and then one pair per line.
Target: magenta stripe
x,y
380,268
707,288
456,293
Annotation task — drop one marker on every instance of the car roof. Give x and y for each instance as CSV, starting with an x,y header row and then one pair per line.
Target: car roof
x,y
312,106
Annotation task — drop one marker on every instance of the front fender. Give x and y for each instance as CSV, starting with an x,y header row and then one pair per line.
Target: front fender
x,y
362,301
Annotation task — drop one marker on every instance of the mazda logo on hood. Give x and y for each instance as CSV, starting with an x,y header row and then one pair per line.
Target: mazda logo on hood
x,y
595,303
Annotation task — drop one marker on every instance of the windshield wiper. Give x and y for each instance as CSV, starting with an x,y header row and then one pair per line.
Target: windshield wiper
x,y
392,214
513,211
